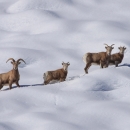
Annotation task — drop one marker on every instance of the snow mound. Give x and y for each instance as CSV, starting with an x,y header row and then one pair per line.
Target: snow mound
x,y
24,5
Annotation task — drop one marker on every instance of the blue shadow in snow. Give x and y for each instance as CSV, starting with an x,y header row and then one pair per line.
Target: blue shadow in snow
x,y
128,65
22,86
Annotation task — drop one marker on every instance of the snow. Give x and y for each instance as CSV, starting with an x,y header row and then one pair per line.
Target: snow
x,y
46,32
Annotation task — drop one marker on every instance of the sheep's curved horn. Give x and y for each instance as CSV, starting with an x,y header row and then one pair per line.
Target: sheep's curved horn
x,y
21,60
124,47
105,44
10,59
112,45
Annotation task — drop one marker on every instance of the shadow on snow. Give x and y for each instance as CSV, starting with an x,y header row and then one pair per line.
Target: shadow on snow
x,y
128,65
22,86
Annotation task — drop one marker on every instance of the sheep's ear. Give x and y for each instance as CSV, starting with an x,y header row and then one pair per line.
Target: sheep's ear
x,y
124,48
62,63
105,47
119,48
19,63
68,63
11,62
112,47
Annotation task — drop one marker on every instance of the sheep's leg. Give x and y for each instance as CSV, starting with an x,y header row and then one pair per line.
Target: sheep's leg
x,y
107,64
116,63
17,83
62,79
10,84
87,67
102,64
1,86
46,82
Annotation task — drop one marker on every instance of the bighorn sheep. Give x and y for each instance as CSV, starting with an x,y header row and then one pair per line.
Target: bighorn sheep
x,y
117,57
11,76
59,74
101,58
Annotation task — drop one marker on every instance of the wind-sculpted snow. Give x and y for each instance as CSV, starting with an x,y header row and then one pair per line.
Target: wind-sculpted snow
x,y
24,5
73,104
47,32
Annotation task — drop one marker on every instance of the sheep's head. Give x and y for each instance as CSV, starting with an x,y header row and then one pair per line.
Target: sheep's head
x,y
65,66
109,49
122,49
15,63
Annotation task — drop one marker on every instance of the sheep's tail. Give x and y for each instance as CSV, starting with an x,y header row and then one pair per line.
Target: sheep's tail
x,y
44,76
85,58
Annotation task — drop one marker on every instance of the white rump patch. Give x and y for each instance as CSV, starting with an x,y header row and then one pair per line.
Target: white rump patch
x,y
84,58
45,76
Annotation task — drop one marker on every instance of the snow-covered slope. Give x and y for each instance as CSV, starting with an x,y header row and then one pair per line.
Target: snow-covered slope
x,y
46,32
